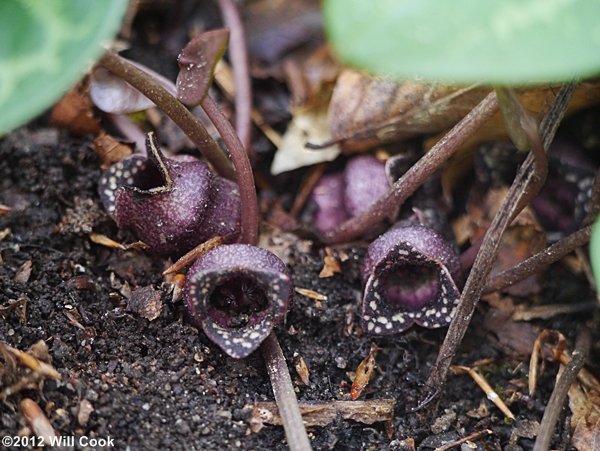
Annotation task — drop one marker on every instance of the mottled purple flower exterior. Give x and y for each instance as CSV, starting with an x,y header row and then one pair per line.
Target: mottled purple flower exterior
x,y
342,195
365,181
236,293
410,276
328,194
564,201
171,218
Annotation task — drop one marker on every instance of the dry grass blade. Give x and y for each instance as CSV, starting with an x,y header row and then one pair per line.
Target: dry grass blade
x,y
486,387
310,294
103,240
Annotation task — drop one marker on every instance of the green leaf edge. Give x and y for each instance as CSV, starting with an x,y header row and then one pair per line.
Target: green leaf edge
x,y
595,251
479,74
56,88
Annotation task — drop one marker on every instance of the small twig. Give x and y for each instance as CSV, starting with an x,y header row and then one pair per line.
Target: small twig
x,y
243,171
322,413
172,107
473,436
527,183
238,54
191,256
285,397
559,394
539,261
416,175
486,387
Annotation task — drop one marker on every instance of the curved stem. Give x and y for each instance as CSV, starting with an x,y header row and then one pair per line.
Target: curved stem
x,y
285,397
238,54
527,183
539,261
243,171
416,175
172,107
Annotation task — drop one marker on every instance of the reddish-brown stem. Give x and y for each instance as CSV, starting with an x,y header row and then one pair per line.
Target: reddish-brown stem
x,y
238,55
539,261
285,397
243,171
527,183
172,107
416,175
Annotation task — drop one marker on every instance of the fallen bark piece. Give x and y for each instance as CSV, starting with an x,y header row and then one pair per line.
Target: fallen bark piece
x,y
324,413
146,302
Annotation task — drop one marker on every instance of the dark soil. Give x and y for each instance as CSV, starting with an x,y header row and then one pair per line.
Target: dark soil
x,y
163,385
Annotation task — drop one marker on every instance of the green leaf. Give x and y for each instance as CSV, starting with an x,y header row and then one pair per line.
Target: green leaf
x,y
468,41
45,47
595,251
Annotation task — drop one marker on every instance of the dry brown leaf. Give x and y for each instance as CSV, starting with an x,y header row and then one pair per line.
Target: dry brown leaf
x,y
521,240
330,264
585,421
584,402
513,338
110,150
536,101
363,373
74,112
366,111
302,370
311,76
24,272
146,302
